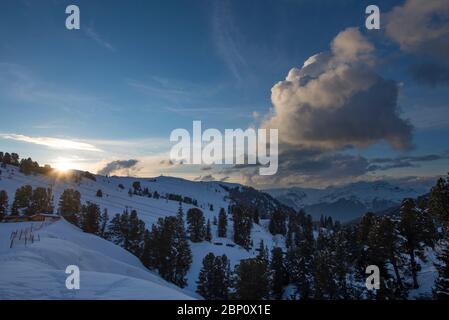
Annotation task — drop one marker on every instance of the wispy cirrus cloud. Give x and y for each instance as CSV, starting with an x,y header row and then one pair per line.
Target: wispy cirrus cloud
x,y
54,143
20,84
94,35
228,40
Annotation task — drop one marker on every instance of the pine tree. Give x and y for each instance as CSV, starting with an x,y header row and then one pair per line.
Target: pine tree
x,y
146,257
3,204
441,286
136,230
22,200
41,201
205,287
137,187
222,224
104,222
166,249
99,193
27,166
196,226
183,254
70,205
263,252
256,216
90,221
389,236
277,223
324,282
411,228
180,214
208,232
252,280
214,278
439,200
279,274
300,260
343,269
114,231
361,243
242,227
295,220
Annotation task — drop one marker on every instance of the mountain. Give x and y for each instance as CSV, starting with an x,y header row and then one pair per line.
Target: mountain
x,y
349,201
36,271
210,197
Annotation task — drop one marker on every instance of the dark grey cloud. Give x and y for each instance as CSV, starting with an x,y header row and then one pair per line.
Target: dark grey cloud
x,y
304,165
117,165
382,164
323,167
431,74
166,162
205,178
422,29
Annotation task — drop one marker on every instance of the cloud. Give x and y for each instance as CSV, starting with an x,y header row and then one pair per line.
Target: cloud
x,y
205,178
54,143
19,83
117,165
403,161
227,39
422,28
336,100
430,73
166,162
91,33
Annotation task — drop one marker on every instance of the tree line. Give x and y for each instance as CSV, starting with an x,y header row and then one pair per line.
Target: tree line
x,y
324,260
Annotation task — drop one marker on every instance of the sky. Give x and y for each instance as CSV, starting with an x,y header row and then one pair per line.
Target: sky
x,y
350,103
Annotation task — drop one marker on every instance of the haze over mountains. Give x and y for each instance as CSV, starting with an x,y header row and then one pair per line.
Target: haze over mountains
x,y
350,201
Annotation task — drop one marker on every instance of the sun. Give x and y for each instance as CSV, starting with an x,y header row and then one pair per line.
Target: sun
x,y
63,165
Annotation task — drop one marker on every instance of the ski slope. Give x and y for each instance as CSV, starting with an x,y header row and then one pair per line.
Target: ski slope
x,y
115,200
37,270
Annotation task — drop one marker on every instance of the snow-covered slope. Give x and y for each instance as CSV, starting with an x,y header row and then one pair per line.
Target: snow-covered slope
x,y
349,201
37,270
115,199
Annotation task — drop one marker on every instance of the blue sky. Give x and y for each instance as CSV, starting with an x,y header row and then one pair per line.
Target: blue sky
x,y
136,70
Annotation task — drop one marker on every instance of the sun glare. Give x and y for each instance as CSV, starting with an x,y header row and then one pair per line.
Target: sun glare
x,y
63,166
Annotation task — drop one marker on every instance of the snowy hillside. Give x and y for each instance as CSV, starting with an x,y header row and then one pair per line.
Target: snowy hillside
x,y
116,199
349,201
37,270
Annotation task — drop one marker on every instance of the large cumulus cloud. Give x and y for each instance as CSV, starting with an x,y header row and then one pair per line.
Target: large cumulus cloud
x,y
336,100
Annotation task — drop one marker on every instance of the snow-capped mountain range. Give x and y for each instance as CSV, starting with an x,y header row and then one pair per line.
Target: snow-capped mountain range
x,y
350,201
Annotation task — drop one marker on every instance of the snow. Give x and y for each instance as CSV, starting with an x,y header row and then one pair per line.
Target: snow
x,y
64,248
37,271
364,192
